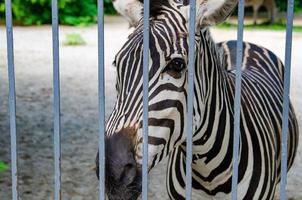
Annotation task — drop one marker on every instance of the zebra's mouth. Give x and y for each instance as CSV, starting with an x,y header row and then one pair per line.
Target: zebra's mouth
x,y
116,190
122,173
124,192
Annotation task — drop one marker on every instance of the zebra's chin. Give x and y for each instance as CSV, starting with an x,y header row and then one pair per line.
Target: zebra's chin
x,y
123,175
124,191
130,192
118,191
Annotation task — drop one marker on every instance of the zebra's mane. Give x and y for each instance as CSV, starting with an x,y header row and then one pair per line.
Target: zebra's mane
x,y
205,35
156,6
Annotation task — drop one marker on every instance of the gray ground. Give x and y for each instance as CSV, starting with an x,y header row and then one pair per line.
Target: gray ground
x,y
33,62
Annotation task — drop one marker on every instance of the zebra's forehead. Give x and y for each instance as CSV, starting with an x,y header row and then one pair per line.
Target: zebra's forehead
x,y
166,43
168,36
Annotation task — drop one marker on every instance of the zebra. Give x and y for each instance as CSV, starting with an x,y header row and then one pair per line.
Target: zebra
x,y
213,116
270,5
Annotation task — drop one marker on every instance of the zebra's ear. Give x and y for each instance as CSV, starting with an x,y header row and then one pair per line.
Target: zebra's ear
x,y
212,12
133,10
130,9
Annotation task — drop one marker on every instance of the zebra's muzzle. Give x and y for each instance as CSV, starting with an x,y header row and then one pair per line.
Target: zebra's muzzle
x,y
123,174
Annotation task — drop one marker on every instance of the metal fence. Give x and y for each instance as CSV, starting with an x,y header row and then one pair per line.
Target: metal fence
x,y
56,94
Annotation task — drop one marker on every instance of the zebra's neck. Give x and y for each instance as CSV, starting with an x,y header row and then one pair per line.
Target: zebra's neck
x,y
209,66
211,111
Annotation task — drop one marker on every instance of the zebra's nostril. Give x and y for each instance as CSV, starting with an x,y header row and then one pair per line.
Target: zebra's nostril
x,y
121,167
129,173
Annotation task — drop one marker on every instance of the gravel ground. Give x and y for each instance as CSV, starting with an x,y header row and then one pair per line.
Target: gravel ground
x,y
33,63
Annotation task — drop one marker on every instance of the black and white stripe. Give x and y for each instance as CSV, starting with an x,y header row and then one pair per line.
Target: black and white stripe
x,y
214,86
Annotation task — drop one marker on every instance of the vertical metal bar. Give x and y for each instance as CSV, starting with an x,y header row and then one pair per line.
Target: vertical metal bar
x,y
145,99
237,98
56,101
288,57
191,71
101,89
12,98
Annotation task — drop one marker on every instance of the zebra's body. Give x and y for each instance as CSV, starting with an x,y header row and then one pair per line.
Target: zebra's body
x,y
260,141
213,124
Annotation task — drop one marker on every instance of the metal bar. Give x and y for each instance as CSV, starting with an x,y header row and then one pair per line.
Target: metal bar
x,y
56,101
191,71
237,98
12,98
145,99
286,102
101,89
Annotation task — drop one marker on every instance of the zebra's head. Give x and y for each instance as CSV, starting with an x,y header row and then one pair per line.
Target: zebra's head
x,y
169,22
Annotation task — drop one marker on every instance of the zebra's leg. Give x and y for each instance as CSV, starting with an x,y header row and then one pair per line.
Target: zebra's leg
x,y
255,13
176,174
272,10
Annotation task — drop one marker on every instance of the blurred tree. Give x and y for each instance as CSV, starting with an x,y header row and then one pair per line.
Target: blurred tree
x,y
282,5
109,9
74,12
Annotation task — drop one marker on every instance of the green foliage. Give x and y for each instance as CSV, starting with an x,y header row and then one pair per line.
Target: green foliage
x,y
71,12
109,9
74,12
3,166
73,39
282,5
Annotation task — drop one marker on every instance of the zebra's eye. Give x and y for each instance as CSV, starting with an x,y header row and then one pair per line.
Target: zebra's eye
x,y
176,65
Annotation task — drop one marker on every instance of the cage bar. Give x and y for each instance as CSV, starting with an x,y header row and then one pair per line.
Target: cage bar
x,y
145,99
12,99
237,102
286,101
101,89
191,72
56,101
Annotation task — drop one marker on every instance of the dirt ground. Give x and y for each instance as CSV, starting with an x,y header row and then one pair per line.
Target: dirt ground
x,y
33,63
